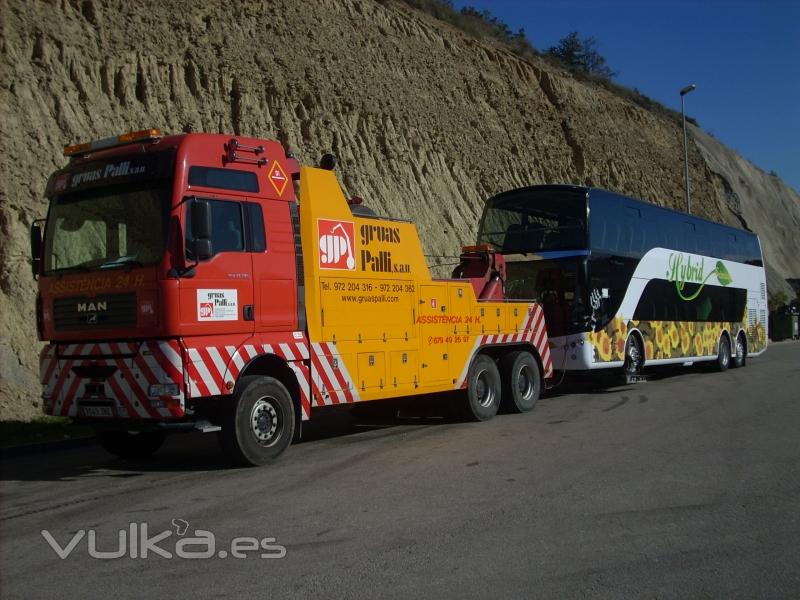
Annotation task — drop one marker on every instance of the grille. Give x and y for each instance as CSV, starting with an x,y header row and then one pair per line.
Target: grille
x,y
101,312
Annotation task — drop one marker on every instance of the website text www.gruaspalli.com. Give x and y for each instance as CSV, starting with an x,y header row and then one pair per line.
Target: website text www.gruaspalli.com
x,y
370,299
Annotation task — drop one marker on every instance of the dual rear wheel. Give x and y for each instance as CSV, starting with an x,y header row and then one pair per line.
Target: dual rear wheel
x,y
515,385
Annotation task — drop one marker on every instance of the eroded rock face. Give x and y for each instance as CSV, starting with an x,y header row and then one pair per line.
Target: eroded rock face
x,y
426,121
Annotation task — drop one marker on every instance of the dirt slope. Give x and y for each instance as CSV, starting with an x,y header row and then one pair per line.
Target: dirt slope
x,y
427,122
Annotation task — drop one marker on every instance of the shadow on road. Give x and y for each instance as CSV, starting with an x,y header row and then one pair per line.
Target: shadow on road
x,y
197,452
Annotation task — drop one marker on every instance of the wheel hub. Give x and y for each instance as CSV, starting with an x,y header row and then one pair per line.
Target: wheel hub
x,y
525,383
634,357
264,420
483,390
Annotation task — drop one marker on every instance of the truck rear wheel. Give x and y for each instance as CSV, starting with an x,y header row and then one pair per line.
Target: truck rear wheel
x,y
130,444
483,389
522,382
260,422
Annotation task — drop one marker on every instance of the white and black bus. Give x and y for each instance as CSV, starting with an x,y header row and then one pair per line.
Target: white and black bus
x,y
626,283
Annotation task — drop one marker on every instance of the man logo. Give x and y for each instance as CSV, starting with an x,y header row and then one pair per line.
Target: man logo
x,y
92,306
91,319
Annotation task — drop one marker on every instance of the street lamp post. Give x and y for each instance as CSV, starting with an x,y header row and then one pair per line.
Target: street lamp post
x,y
684,91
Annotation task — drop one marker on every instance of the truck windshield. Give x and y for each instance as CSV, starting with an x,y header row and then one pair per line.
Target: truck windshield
x,y
530,220
106,228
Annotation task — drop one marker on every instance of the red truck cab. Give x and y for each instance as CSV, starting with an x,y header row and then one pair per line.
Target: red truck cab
x,y
135,322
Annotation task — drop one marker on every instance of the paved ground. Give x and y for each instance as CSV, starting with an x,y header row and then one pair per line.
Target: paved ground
x,y
684,487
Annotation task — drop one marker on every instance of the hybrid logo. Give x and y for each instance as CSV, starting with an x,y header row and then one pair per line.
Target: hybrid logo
x,y
136,542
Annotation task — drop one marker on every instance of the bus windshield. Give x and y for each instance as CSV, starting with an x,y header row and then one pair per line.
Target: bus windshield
x,y
557,284
535,219
105,228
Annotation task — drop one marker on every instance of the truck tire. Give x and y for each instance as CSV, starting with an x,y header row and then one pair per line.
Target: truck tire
x,y
522,382
259,424
483,389
130,444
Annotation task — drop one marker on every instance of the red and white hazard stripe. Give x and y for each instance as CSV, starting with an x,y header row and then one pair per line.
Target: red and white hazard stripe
x,y
331,381
136,366
533,331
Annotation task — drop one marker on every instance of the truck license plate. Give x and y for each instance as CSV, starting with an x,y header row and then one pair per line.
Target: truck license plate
x,y
96,411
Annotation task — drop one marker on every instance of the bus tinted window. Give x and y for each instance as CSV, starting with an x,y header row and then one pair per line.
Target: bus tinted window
x,y
660,302
622,226
533,220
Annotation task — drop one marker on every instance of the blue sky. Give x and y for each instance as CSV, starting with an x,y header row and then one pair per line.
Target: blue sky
x,y
743,55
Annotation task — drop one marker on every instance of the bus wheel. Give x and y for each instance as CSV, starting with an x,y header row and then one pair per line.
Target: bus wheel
x,y
634,355
483,389
522,382
740,356
130,444
260,421
724,353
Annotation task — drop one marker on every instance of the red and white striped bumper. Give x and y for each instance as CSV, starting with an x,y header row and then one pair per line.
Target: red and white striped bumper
x,y
142,380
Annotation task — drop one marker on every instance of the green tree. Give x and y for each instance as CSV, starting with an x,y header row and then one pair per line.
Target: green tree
x,y
777,300
581,55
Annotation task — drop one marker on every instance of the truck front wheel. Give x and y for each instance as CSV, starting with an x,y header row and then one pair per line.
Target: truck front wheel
x,y
260,422
483,389
130,444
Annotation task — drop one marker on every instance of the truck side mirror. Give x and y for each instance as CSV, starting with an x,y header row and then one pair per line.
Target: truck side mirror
x,y
36,249
201,229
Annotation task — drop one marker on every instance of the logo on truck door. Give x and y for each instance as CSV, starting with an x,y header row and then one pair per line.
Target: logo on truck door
x,y
336,245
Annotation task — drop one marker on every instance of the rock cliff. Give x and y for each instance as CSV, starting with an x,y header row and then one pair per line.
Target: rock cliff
x,y
427,122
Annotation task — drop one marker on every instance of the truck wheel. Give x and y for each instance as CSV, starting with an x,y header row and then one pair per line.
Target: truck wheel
x,y
723,354
740,356
522,382
260,422
483,389
130,444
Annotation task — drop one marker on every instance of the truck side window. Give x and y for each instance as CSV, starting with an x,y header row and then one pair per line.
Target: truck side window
x,y
257,241
227,232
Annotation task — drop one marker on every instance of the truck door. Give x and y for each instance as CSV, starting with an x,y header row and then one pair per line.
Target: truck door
x,y
274,266
218,300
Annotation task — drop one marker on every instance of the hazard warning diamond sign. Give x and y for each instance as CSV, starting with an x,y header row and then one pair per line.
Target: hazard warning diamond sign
x,y
277,176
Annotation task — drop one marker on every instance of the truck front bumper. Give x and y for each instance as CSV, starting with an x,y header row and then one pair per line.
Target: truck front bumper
x,y
137,380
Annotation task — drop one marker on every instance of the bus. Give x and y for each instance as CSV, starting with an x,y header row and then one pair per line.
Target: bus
x,y
627,284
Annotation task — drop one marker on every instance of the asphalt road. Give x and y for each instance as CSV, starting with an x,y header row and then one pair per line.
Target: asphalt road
x,y
687,486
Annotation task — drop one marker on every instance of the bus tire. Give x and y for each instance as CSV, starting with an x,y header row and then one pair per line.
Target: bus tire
x,y
739,358
723,353
634,355
522,382
484,389
259,423
130,444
